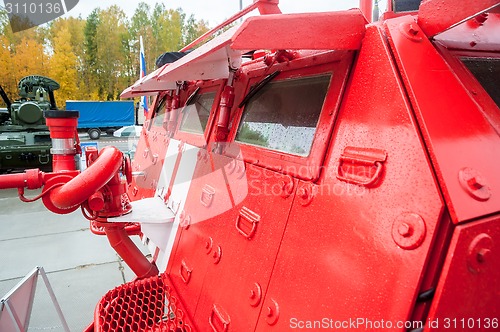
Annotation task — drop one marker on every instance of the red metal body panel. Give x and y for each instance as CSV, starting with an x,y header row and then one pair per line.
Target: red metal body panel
x,y
249,237
264,6
355,252
385,218
150,155
188,265
436,16
480,34
458,136
472,267
339,31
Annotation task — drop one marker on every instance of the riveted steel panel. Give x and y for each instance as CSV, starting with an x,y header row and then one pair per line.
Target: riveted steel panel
x,y
468,292
356,245
149,157
199,223
456,130
252,232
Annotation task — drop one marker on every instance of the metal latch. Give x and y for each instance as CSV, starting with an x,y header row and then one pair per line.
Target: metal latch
x,y
361,166
246,222
219,320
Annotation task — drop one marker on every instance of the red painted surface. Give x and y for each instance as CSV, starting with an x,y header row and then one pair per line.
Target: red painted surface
x,y
120,241
263,6
366,7
458,136
471,266
392,216
350,257
80,188
152,148
436,16
31,179
339,31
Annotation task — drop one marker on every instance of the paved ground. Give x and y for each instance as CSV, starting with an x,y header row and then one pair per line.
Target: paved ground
x,y
80,266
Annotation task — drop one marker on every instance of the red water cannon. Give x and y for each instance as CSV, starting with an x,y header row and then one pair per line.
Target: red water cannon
x,y
99,190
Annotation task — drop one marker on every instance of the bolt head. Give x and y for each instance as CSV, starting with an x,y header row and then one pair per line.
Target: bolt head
x,y
482,255
481,18
405,230
475,183
413,30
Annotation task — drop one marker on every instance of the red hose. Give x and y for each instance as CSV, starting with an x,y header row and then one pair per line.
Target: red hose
x,y
128,251
80,188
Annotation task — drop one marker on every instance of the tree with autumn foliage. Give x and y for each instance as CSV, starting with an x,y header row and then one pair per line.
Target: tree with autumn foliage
x,y
94,58
63,66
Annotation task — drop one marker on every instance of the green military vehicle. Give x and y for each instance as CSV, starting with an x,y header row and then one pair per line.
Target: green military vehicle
x,y
24,137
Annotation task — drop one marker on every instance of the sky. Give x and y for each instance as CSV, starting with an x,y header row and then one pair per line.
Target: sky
x,y
213,11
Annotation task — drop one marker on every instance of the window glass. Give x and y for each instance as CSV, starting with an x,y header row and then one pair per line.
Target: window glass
x,y
283,115
487,72
405,5
160,112
196,113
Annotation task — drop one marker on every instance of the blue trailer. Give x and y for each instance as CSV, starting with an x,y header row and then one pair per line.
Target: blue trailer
x,y
98,116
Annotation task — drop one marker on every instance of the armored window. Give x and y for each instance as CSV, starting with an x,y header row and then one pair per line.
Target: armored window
x,y
159,114
283,115
405,5
487,72
196,113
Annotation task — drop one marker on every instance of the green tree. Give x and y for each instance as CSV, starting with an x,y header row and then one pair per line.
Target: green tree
x,y
4,21
111,31
90,70
128,74
167,27
141,25
156,47
172,23
193,29
97,57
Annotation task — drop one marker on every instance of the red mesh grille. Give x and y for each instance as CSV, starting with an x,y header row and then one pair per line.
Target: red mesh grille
x,y
143,305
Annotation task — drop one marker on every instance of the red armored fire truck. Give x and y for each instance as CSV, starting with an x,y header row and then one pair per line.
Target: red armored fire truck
x,y
305,171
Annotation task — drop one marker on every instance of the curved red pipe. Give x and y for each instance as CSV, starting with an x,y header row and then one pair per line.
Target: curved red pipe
x,y
80,188
128,251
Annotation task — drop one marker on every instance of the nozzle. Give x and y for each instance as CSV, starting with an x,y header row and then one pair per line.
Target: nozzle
x,y
62,126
